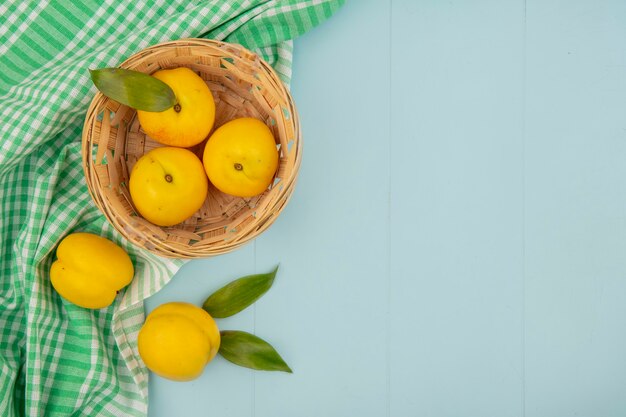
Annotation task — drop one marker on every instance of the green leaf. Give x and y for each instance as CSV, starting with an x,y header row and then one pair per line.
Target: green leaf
x,y
133,88
247,350
239,294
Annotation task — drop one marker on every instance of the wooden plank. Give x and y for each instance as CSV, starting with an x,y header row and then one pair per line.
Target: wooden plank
x,y
456,208
575,205
327,311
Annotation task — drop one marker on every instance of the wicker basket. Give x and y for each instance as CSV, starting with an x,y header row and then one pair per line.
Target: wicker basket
x,y
242,85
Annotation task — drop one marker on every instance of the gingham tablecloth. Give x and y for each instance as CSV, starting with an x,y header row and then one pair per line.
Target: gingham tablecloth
x,y
55,358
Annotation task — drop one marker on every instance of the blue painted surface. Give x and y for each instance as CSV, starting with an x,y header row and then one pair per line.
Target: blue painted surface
x,y
455,245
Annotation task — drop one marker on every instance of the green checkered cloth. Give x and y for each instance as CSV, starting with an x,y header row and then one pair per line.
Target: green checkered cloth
x,y
56,358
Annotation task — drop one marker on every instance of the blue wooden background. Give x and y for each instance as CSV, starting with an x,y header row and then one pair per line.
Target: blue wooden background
x,y
456,245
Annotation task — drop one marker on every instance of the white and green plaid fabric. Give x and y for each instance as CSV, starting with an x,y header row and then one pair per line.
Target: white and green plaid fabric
x,y
55,358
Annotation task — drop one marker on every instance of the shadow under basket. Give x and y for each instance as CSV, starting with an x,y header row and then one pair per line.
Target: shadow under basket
x,y
243,85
